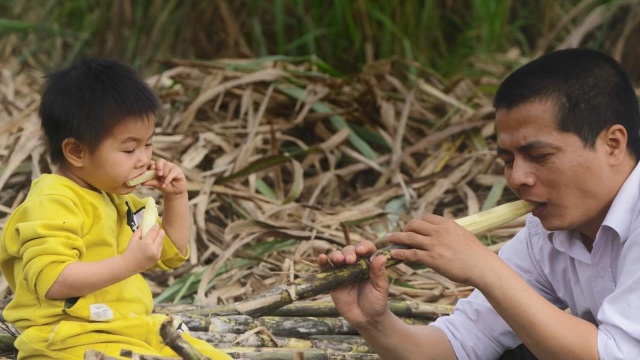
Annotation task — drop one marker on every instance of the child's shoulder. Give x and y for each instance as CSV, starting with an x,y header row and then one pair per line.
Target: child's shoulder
x,y
51,191
52,185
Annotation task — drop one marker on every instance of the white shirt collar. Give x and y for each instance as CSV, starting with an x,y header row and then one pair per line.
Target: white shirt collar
x,y
619,219
621,213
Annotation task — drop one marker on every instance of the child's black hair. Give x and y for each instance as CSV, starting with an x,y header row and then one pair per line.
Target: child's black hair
x,y
87,99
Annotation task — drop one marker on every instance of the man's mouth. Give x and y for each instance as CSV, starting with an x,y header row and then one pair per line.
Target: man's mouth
x,y
540,209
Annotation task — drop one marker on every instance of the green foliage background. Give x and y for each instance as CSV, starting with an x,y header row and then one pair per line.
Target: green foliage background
x,y
346,34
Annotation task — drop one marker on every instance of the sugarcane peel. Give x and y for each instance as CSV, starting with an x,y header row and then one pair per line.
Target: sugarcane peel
x,y
150,215
146,176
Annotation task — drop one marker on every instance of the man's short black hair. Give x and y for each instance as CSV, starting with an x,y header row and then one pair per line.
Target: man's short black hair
x,y
87,99
590,90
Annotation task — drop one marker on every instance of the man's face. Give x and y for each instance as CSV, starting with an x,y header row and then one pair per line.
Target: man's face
x,y
554,168
124,154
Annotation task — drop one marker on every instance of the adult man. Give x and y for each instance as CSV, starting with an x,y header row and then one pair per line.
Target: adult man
x,y
568,133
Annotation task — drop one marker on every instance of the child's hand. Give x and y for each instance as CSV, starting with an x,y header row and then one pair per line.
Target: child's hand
x,y
144,251
170,179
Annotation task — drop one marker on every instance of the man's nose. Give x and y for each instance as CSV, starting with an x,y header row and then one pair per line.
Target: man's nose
x,y
521,174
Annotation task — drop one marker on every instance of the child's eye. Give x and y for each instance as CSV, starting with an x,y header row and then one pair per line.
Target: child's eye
x,y
148,145
129,151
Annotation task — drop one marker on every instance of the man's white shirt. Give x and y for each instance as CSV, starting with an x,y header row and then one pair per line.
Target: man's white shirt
x,y
602,287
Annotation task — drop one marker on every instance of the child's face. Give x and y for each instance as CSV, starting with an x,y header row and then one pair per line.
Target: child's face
x,y
124,154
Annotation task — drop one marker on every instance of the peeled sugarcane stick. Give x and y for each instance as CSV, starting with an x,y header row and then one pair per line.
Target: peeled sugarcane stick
x,y
146,176
323,282
150,215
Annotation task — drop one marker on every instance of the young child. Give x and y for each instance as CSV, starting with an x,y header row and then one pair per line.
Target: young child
x,y
72,252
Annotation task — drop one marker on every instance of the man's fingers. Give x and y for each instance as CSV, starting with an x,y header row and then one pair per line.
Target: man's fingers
x,y
410,239
364,248
377,274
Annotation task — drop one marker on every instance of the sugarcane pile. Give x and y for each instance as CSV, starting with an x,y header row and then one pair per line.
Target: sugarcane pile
x,y
287,160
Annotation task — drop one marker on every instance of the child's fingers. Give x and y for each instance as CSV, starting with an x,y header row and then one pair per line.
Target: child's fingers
x,y
137,235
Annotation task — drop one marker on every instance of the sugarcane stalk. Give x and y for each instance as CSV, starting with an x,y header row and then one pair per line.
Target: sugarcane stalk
x,y
336,343
316,284
288,354
97,355
177,343
7,344
302,326
311,308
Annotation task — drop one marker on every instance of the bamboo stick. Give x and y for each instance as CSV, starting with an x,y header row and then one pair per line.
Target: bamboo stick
x,y
304,288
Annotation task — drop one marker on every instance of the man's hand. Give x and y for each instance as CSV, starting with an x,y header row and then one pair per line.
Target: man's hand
x,y
362,303
444,246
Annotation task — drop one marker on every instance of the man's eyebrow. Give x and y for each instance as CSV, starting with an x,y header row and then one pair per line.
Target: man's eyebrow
x,y
536,144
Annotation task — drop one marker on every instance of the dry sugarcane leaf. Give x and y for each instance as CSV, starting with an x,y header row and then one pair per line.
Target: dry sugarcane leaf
x,y
26,144
266,75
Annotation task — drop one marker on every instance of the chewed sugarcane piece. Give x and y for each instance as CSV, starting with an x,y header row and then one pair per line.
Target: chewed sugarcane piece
x,y
150,215
146,176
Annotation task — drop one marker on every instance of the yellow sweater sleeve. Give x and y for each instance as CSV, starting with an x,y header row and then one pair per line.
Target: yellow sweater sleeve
x,y
46,246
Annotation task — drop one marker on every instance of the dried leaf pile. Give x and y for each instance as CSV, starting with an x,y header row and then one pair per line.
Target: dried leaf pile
x,y
286,162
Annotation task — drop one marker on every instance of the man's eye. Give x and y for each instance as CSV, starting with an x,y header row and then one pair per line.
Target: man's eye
x,y
505,161
539,157
148,145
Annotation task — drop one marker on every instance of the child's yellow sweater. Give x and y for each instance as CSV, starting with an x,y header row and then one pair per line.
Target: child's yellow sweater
x,y
59,223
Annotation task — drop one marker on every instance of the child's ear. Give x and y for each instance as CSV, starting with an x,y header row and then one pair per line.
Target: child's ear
x,y
74,152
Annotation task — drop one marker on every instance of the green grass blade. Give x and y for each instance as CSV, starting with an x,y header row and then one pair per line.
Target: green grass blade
x,y
336,120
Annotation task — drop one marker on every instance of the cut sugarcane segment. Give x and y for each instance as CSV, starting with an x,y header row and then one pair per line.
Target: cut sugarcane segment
x,y
499,215
150,215
146,176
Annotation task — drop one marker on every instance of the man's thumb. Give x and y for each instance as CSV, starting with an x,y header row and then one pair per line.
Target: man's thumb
x,y
378,274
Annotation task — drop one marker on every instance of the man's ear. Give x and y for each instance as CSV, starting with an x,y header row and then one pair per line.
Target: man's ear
x,y
615,139
74,152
